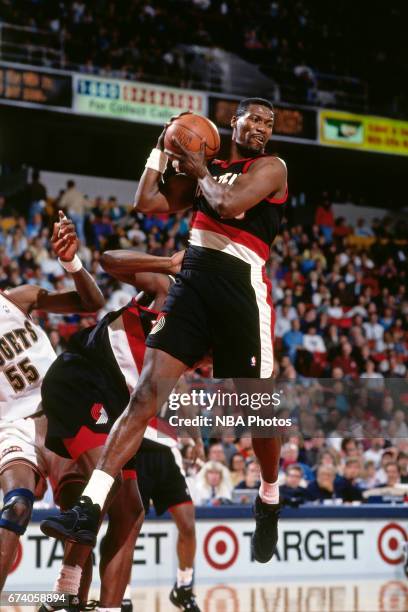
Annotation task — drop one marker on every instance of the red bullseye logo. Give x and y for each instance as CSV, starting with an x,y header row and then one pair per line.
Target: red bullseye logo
x,y
17,559
390,543
221,547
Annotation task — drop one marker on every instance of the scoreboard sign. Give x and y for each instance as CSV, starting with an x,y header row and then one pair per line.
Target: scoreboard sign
x,y
35,87
291,123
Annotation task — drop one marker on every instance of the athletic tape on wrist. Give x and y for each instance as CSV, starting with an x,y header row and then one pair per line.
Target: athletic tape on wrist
x,y
71,266
157,160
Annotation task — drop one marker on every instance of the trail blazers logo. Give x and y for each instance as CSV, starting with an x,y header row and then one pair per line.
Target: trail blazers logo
x,y
158,325
99,414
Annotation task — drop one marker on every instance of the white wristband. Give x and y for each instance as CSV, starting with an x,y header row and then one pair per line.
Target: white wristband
x,y
72,266
157,160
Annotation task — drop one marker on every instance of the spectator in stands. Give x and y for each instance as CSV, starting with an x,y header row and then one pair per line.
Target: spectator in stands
x,y
237,468
216,453
212,484
244,445
402,462
228,444
312,342
293,339
76,206
324,218
388,456
37,195
363,230
292,492
375,451
251,479
369,478
326,486
290,456
346,361
351,475
392,474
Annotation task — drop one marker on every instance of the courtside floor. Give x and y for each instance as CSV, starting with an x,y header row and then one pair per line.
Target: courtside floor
x,y
360,595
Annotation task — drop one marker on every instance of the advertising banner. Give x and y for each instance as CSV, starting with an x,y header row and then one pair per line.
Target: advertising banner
x,y
131,101
343,547
364,132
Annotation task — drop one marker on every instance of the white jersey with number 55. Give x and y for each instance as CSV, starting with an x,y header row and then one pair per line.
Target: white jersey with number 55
x,y
25,356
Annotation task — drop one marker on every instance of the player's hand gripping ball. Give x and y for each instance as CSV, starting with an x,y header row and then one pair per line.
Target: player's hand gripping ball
x,y
190,130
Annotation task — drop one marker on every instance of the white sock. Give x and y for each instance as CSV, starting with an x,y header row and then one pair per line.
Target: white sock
x,y
68,580
98,487
127,594
184,577
269,492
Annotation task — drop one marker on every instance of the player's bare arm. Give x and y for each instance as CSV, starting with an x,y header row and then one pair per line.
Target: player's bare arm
x,y
154,194
87,297
123,264
266,177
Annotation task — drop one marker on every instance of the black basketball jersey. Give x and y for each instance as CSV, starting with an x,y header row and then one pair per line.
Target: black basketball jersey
x,y
250,235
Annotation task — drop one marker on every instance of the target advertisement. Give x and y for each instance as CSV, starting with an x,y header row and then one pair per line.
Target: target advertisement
x,y
342,547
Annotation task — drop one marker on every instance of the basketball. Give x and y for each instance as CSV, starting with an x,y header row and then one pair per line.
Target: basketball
x,y
190,130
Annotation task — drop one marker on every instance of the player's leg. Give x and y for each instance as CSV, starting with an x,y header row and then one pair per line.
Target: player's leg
x,y
18,482
76,571
160,373
161,478
267,451
184,517
126,517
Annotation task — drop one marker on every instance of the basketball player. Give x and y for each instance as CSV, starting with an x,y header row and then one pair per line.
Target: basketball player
x,y
25,356
83,393
221,300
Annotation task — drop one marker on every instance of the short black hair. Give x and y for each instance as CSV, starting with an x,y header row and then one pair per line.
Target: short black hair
x,y
243,105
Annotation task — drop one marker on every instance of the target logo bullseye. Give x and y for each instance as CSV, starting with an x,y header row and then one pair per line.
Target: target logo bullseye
x,y
221,547
390,543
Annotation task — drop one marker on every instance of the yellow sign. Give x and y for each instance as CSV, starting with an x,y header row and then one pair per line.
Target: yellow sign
x,y
363,132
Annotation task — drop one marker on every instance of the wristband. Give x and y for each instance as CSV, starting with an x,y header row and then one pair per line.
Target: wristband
x,y
72,266
157,160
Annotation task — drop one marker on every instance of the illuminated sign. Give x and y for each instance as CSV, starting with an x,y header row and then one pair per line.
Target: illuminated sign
x,y
35,87
131,101
363,132
290,122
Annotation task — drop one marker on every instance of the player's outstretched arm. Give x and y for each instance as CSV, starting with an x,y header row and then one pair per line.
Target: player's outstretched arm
x,y
87,297
148,273
124,264
266,177
154,194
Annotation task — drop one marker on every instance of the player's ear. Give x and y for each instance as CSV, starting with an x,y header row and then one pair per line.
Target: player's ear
x,y
234,120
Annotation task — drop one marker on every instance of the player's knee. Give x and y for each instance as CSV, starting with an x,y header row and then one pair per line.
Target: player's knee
x,y
186,528
144,400
16,512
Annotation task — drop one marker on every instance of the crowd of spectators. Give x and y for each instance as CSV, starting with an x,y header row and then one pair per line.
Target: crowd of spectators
x,y
341,338
296,41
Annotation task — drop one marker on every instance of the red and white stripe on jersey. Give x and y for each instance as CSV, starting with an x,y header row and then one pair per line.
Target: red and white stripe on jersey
x,y
127,339
212,234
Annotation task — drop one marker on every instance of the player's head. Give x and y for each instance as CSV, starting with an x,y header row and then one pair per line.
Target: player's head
x,y
252,125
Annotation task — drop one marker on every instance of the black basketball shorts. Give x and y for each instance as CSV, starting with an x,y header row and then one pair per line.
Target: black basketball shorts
x,y
159,477
224,307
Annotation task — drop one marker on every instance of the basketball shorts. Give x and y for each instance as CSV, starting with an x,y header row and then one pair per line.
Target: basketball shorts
x,y
22,441
160,477
80,404
221,304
